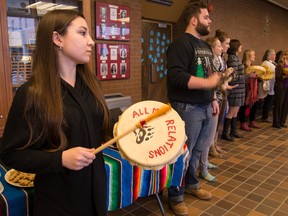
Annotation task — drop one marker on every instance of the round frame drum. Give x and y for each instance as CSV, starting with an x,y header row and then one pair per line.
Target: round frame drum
x,y
158,143
258,69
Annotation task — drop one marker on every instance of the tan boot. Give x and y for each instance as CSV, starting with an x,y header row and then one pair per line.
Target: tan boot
x,y
219,150
199,193
213,152
178,208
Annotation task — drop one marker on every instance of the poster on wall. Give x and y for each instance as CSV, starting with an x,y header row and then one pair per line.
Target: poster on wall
x,y
112,22
113,61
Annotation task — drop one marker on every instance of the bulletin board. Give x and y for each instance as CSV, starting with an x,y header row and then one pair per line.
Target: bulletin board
x,y
113,61
112,22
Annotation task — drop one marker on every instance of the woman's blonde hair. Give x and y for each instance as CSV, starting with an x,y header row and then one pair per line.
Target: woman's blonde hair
x,y
246,57
212,41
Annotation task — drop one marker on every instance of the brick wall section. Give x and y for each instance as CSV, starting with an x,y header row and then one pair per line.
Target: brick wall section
x,y
258,24
131,86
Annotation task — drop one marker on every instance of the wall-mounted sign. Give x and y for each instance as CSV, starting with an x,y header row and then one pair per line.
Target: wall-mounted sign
x,y
113,61
112,22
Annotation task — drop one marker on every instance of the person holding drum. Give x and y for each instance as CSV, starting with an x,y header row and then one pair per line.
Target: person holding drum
x,y
248,109
217,50
269,61
57,119
236,96
223,37
190,84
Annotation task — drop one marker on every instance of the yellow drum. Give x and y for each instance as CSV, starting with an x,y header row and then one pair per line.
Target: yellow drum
x,y
259,70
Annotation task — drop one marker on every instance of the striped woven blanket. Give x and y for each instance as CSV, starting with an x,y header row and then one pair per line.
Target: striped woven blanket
x,y
127,182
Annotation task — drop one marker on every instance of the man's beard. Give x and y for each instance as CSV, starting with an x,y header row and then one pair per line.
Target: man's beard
x,y
202,29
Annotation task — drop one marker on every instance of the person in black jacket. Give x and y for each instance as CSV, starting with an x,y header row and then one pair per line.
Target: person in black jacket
x,y
57,119
280,110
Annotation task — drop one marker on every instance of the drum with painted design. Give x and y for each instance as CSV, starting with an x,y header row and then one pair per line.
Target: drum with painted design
x,y
158,143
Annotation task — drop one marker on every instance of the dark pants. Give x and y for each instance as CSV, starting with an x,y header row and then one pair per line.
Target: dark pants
x,y
252,113
268,102
280,110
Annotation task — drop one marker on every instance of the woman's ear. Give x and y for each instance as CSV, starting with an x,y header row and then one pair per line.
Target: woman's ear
x,y
56,38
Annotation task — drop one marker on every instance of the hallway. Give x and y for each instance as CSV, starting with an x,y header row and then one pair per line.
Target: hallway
x,y
252,180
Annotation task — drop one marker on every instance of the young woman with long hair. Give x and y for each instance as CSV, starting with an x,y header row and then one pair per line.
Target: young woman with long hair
x,y
57,119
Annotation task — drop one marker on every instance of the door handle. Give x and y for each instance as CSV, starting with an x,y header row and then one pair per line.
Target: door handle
x,y
153,74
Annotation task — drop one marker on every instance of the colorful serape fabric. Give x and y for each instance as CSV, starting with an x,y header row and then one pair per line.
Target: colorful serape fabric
x,y
127,182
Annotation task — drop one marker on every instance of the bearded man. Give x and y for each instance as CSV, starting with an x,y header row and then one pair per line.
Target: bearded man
x,y
191,84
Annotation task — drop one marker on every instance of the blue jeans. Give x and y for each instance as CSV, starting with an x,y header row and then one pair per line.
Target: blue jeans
x,y
198,124
210,139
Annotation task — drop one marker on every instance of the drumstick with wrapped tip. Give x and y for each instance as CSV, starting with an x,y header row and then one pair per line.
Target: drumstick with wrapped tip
x,y
161,111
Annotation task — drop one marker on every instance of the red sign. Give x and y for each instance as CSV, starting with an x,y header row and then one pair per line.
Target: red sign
x,y
113,61
112,22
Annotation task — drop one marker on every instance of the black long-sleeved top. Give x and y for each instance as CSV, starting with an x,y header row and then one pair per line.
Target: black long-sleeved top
x,y
188,56
58,190
279,76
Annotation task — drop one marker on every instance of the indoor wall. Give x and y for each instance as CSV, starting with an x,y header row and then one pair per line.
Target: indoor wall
x,y
131,86
258,24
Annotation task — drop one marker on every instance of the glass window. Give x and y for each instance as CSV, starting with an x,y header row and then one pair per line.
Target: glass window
x,y
23,19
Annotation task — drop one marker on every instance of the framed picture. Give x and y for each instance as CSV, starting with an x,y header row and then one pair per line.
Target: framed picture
x,y
112,22
113,61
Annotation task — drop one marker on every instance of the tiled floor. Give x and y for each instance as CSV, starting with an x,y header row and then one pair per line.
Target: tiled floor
x,y
252,180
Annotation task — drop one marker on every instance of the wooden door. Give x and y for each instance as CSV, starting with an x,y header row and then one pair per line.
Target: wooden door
x,y
2,89
5,79
156,37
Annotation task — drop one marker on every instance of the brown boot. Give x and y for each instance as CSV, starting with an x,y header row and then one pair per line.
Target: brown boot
x,y
178,208
199,193
219,150
213,152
